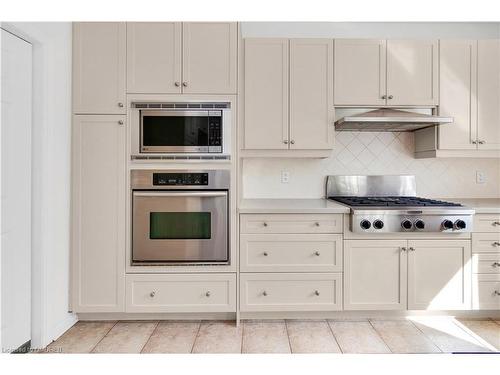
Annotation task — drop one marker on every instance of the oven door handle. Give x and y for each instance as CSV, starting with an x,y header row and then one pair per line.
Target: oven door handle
x,y
202,194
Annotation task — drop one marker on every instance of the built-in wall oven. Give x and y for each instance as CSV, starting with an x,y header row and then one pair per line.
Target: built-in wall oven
x,y
198,129
180,217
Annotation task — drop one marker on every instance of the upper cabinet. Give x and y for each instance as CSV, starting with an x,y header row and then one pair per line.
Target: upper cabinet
x,y
154,57
99,50
170,57
360,68
376,72
288,96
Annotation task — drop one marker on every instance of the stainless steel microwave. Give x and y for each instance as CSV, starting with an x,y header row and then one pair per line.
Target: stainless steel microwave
x,y
160,129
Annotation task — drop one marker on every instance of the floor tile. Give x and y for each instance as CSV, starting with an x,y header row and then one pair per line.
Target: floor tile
x,y
357,337
81,338
311,337
126,337
265,337
401,336
218,337
447,335
172,337
487,330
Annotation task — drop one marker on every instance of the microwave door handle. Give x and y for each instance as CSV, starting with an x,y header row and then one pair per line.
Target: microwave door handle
x,y
180,194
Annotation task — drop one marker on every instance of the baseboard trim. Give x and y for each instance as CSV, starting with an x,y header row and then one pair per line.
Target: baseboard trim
x,y
157,316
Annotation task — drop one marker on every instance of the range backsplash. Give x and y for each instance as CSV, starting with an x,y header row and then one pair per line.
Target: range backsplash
x,y
362,153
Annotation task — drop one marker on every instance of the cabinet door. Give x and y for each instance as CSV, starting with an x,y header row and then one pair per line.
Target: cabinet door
x,y
98,222
412,72
311,94
360,68
154,57
439,275
457,94
488,94
99,67
210,57
375,275
266,94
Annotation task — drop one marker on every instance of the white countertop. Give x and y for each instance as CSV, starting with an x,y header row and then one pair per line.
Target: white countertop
x,y
290,206
316,206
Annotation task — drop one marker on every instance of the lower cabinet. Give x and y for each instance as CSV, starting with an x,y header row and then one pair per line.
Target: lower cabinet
x,y
413,275
181,293
486,292
290,292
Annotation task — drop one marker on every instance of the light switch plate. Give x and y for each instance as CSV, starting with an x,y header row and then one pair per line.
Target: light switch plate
x,y
480,177
285,177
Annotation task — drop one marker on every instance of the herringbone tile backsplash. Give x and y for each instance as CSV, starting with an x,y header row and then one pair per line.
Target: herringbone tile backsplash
x,y
363,153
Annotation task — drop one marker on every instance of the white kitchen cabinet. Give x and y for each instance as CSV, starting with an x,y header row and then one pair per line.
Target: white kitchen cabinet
x,y
360,69
311,94
210,56
154,57
457,98
98,213
375,274
99,67
488,94
266,94
412,72
439,275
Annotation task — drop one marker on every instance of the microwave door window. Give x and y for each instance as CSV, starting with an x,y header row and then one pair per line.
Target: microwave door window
x,y
175,131
180,225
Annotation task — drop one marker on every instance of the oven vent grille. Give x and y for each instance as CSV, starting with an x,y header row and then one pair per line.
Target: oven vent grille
x,y
181,157
181,105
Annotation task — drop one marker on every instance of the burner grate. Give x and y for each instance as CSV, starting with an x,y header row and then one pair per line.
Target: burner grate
x,y
393,202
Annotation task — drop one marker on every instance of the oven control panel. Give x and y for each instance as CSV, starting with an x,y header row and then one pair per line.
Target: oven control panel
x,y
176,179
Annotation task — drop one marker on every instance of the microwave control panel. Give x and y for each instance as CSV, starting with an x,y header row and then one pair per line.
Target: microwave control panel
x,y
176,179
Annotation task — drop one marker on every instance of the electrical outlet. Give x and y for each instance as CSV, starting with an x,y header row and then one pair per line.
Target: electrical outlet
x,y
285,177
480,177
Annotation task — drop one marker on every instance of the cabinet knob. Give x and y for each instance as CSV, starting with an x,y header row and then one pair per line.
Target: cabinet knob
x,y
496,223
473,142
265,253
390,97
496,293
384,96
317,253
285,141
496,264
496,244
185,84
207,294
292,142
264,224
316,292
264,293
411,249
177,84
120,104
120,122
152,294
316,224
481,142
403,248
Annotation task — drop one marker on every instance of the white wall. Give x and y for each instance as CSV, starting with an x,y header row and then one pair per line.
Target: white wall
x,y
51,175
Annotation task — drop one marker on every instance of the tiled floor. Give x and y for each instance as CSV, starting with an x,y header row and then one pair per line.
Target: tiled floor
x,y
415,335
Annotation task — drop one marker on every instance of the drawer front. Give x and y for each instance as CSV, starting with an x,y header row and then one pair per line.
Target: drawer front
x,y
290,292
290,223
486,292
291,253
486,263
487,223
485,242
181,293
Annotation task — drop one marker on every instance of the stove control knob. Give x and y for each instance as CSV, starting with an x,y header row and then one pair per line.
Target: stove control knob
x,y
378,224
460,224
447,224
365,224
419,224
406,224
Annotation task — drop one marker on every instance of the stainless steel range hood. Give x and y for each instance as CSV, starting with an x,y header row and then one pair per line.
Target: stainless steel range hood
x,y
389,120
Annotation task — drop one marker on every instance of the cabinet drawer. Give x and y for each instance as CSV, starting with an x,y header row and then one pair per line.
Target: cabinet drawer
x,y
486,292
487,223
290,292
486,263
291,253
485,242
291,223
181,293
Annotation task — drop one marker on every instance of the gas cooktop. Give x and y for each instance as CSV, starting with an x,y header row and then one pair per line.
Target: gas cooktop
x,y
392,201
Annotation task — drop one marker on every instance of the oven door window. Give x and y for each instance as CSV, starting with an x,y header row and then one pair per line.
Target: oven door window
x,y
180,225
173,131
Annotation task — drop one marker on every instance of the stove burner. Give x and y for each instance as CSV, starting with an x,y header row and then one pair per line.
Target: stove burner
x,y
392,202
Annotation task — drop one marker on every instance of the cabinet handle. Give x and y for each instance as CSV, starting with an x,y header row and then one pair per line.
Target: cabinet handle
x,y
264,224
481,142
264,293
496,293
317,253
390,97
177,84
207,294
285,141
316,292
496,223
384,96
120,122
292,142
265,253
152,294
474,142
185,84
316,224
120,104
496,243
411,249
403,248
495,264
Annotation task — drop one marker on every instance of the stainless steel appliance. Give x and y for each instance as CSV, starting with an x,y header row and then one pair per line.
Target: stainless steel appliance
x,y
388,204
202,130
180,216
